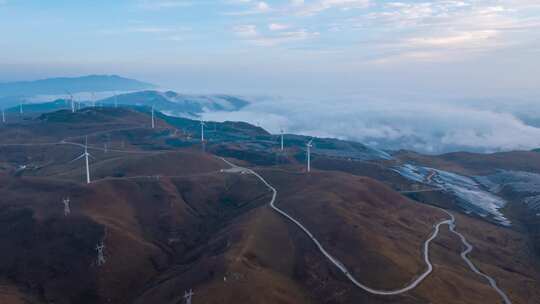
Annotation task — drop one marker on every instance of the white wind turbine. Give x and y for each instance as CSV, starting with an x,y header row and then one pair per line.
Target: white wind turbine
x,y
282,139
202,130
309,145
153,118
3,116
21,111
72,102
93,100
86,156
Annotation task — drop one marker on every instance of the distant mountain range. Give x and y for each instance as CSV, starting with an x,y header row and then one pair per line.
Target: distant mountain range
x,y
176,104
54,86
168,102
51,94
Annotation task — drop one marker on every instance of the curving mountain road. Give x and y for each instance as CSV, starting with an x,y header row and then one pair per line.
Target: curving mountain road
x,y
450,222
468,249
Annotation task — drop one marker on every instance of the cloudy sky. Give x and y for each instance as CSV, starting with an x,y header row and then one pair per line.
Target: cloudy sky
x,y
366,55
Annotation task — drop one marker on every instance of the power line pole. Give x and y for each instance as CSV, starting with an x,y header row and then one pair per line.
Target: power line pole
x,y
67,210
188,295
100,247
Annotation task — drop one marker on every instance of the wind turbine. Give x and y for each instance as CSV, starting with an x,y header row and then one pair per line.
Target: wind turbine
x,y
93,100
72,102
3,116
309,145
153,118
86,155
281,139
21,108
202,130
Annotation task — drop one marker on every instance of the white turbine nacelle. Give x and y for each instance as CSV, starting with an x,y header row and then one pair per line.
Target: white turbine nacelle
x,y
86,156
309,145
188,295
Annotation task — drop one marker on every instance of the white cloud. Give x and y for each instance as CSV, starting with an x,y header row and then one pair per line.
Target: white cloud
x,y
393,124
259,7
323,5
251,34
246,31
278,26
163,4
449,30
262,7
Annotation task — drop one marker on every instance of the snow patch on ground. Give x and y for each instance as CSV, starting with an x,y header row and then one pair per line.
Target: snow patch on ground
x,y
526,183
469,192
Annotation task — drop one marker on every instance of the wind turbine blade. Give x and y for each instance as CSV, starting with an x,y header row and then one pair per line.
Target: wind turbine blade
x,y
76,159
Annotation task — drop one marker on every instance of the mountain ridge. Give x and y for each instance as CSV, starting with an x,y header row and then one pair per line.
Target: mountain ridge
x,y
63,85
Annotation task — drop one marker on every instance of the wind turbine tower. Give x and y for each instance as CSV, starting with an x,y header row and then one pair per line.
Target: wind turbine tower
x,y
188,295
3,116
309,145
153,119
202,130
86,156
100,247
21,111
281,139
93,100
72,102
67,210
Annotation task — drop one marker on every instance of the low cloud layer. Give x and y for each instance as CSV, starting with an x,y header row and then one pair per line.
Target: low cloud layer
x,y
425,127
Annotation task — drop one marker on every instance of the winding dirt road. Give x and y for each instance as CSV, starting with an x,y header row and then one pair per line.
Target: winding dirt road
x,y
429,266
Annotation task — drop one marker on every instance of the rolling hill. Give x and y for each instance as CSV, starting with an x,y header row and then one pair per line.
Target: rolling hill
x,y
173,218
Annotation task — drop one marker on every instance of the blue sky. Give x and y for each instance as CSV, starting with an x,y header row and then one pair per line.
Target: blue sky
x,y
433,76
281,46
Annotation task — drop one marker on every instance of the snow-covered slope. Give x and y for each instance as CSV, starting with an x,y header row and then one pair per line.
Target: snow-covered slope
x,y
527,184
472,198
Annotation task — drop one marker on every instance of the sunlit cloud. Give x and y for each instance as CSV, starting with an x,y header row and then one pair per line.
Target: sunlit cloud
x,y
276,35
163,4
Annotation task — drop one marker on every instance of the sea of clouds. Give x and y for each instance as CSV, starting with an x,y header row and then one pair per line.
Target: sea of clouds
x,y
424,126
